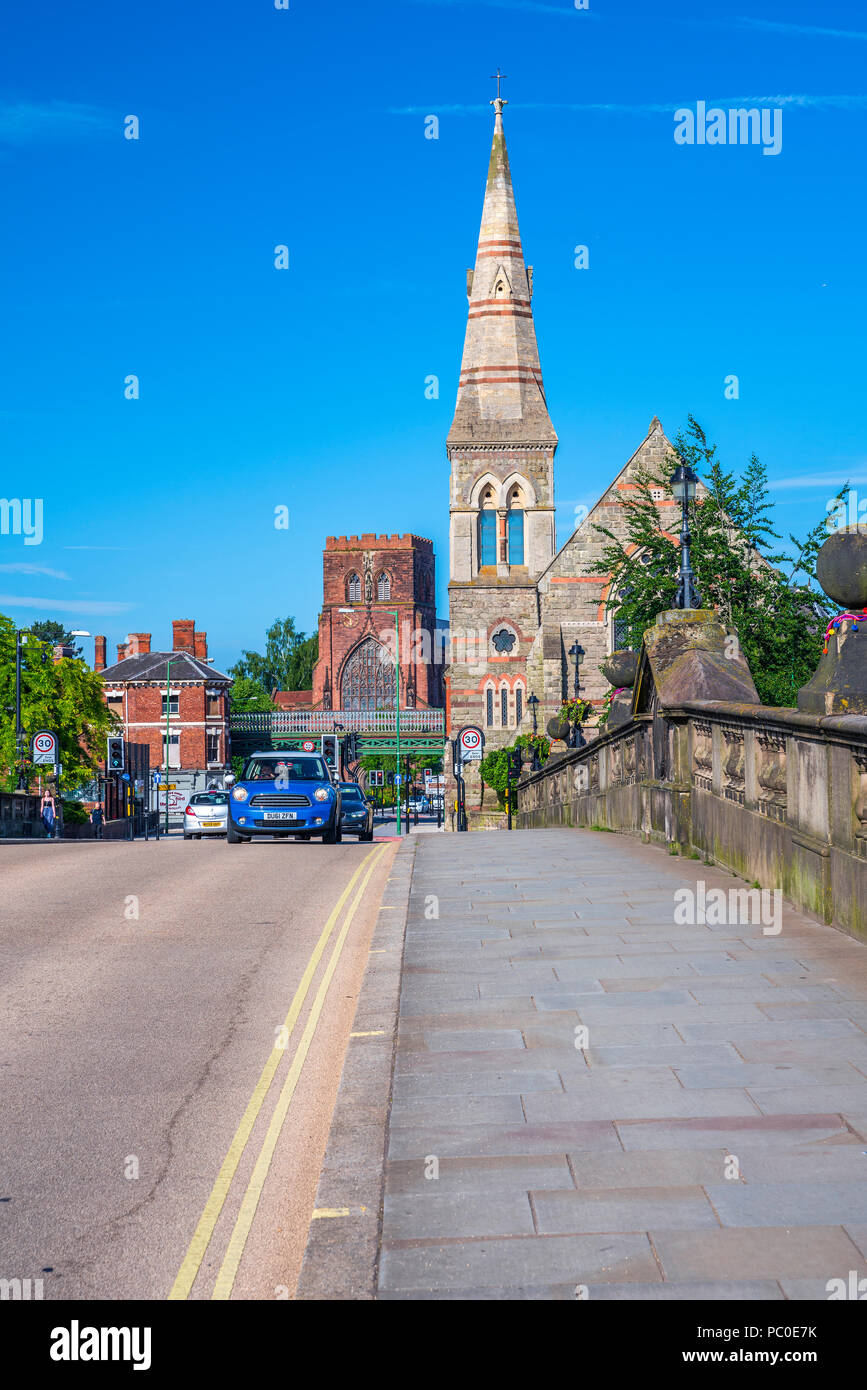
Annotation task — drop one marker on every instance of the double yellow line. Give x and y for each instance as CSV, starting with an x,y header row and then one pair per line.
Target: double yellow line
x,y
219,1192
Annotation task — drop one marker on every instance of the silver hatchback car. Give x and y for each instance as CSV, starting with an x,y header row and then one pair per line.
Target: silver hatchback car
x,y
206,814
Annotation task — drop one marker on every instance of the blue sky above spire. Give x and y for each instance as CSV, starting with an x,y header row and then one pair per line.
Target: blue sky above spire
x,y
309,387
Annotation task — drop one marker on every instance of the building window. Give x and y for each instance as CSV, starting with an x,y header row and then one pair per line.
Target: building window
x,y
503,641
658,494
487,537
368,678
519,704
620,634
174,750
515,533
383,587
354,588
504,707
214,703
213,750
172,705
489,712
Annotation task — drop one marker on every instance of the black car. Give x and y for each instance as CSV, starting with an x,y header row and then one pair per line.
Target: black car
x,y
356,812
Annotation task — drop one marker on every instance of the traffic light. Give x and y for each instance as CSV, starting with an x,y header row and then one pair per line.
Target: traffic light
x,y
114,761
514,757
330,747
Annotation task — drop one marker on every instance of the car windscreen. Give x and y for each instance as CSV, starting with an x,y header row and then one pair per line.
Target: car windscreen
x,y
350,794
286,769
209,799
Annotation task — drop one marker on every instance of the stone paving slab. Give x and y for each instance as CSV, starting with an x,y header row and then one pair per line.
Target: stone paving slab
x,y
695,1146
705,1139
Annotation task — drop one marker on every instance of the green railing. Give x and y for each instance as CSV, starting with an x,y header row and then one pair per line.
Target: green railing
x,y
350,721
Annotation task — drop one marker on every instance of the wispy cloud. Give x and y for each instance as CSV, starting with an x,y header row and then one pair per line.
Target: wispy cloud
x,y
63,605
831,482
781,26
29,122
33,569
567,7
843,101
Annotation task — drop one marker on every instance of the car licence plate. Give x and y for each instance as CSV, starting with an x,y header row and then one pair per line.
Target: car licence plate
x,y
211,822
280,815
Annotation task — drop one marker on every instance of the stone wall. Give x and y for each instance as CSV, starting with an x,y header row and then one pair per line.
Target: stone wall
x,y
775,795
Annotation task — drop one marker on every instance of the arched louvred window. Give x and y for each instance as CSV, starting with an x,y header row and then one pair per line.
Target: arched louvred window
x,y
504,707
487,537
515,534
383,587
368,678
519,704
489,710
353,588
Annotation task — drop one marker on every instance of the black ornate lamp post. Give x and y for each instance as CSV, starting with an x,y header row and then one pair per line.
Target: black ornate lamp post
x,y
532,701
683,483
578,740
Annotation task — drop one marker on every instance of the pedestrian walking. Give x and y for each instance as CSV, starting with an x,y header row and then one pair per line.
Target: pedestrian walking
x,y
96,820
48,811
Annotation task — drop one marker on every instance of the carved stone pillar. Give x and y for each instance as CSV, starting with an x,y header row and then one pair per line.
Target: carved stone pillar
x,y
702,754
734,765
772,774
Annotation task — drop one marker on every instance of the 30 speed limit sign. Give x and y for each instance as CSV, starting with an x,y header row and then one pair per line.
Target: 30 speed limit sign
x,y
471,742
45,747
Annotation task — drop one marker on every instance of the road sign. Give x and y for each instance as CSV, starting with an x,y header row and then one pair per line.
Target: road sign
x,y
45,747
308,746
471,742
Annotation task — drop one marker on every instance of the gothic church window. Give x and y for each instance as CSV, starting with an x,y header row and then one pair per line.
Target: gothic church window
x,y
487,537
353,588
503,641
519,704
368,678
504,707
489,707
383,587
515,531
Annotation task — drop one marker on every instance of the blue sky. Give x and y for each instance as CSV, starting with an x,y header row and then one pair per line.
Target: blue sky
x,y
306,387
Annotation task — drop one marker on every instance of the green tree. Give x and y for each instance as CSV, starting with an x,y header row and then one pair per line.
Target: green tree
x,y
66,697
768,596
249,697
51,631
287,662
493,768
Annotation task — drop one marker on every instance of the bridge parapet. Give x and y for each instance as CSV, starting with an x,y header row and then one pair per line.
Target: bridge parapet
x,y
352,721
777,795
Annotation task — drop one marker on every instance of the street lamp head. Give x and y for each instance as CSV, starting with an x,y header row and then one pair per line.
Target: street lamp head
x,y
683,483
533,700
577,651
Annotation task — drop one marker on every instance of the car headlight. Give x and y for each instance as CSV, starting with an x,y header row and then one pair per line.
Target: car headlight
x,y
322,794
239,793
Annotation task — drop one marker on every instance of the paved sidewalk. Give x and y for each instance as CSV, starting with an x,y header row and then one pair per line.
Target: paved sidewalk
x,y
708,1140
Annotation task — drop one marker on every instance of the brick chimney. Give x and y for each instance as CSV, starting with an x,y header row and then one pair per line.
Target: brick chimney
x,y
184,635
99,653
202,645
139,643
121,651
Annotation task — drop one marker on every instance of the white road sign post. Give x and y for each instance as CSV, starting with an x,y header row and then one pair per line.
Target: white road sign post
x,y
44,748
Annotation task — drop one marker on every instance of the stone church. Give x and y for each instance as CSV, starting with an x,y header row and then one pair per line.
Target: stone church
x,y
517,605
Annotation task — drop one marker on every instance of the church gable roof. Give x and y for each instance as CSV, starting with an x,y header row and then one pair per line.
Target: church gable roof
x,y
653,449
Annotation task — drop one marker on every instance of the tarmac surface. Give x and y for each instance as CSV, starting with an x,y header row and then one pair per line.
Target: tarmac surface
x,y
171,1049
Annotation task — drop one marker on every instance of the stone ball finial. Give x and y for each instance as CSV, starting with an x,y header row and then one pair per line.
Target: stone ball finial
x,y
841,567
621,668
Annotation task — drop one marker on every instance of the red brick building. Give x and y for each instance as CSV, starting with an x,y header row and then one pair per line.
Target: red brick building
x,y
198,701
366,579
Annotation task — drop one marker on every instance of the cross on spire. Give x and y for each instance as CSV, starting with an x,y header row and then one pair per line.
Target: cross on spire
x,y
499,102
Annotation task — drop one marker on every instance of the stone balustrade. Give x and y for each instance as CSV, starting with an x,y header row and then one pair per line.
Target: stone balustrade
x,y
775,795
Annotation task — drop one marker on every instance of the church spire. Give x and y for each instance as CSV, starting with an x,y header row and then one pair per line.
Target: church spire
x,y
501,398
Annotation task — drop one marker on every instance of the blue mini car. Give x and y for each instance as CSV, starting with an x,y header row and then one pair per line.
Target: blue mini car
x,y
284,794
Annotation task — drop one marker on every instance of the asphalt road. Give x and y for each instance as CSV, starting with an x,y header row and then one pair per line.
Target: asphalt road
x,y
170,1052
